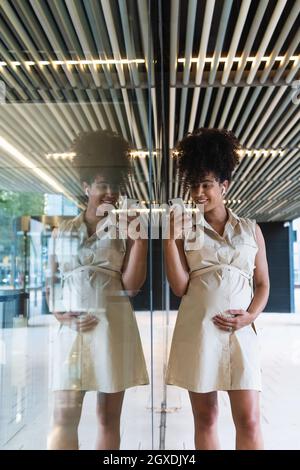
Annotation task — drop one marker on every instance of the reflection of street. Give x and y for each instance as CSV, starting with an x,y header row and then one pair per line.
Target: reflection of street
x,y
23,270
15,303
27,427
37,302
23,380
297,299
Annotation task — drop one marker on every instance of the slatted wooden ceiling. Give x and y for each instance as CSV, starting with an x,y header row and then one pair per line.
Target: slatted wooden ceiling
x,y
232,64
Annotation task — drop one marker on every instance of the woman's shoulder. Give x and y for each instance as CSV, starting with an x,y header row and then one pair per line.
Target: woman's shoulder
x,y
248,226
247,221
239,221
69,224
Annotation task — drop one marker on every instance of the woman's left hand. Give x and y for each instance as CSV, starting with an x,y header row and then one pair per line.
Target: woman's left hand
x,y
241,318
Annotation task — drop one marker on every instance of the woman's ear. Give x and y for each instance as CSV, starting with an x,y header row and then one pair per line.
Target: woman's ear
x,y
86,189
225,186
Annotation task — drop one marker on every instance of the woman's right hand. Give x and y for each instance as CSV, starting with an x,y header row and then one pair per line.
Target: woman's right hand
x,y
76,322
179,220
175,224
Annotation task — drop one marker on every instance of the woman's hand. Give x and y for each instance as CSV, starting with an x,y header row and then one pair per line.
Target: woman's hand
x,y
76,322
233,320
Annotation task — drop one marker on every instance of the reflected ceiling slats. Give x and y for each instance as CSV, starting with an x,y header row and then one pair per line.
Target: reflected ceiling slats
x,y
108,96
229,85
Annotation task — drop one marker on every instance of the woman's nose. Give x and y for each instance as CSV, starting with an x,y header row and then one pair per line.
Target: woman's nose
x,y
111,192
200,191
108,190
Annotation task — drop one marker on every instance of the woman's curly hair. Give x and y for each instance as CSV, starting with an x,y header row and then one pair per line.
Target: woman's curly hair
x,y
206,150
101,152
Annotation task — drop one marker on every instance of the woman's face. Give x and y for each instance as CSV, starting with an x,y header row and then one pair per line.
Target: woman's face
x,y
209,192
102,191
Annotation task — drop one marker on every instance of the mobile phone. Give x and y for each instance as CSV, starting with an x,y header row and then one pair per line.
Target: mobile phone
x,y
129,205
177,202
132,203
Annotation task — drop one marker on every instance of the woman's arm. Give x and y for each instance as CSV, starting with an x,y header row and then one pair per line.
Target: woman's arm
x,y
70,319
52,279
134,270
177,269
261,292
261,277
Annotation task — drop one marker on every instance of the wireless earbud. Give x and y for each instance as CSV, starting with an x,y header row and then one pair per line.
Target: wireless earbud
x,y
87,192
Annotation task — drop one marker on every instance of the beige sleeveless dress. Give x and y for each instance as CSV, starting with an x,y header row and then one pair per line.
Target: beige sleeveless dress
x,y
202,357
108,358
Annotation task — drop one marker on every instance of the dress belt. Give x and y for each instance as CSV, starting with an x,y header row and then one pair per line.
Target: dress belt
x,y
216,267
109,272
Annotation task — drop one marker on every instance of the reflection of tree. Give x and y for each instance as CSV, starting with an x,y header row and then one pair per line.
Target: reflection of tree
x,y
14,204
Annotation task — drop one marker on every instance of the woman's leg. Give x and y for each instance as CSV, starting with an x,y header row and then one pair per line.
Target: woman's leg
x,y
205,411
66,416
109,407
246,416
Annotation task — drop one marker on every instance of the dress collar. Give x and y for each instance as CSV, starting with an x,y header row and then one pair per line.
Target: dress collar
x,y
232,220
80,226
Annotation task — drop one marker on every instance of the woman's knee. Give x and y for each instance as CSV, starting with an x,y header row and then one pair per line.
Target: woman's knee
x,y
67,409
109,408
248,422
68,415
107,418
206,418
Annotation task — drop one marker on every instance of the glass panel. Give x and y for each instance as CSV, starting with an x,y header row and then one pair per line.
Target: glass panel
x,y
78,132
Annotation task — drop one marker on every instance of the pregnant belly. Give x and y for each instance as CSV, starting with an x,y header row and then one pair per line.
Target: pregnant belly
x,y
80,293
208,295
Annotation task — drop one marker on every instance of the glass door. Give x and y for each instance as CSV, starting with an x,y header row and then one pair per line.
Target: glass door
x,y
80,145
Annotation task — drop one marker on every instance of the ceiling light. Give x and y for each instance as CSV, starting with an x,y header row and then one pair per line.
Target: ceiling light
x,y
42,175
75,62
237,59
63,155
273,151
141,153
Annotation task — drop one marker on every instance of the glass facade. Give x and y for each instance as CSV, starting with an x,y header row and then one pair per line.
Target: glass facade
x,y
80,143
94,95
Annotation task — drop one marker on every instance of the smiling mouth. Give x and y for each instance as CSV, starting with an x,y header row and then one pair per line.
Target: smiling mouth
x,y
108,202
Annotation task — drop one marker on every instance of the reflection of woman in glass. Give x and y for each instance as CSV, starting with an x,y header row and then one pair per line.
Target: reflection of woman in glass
x,y
215,345
98,345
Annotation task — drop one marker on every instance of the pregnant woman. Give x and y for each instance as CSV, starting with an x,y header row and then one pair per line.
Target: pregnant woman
x,y
97,346
215,345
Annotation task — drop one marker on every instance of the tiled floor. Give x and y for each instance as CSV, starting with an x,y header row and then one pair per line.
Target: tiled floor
x,y
25,402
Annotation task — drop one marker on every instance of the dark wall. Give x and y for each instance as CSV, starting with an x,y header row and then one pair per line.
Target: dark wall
x,y
280,261
142,301
279,254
